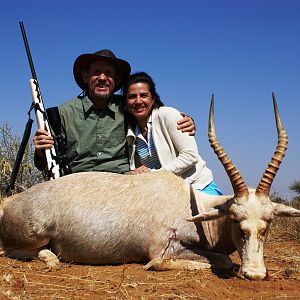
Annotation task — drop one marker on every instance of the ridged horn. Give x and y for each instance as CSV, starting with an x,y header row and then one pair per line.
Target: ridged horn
x,y
266,181
239,187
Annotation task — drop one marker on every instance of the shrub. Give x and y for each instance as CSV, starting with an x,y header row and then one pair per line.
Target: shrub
x,y
285,229
28,175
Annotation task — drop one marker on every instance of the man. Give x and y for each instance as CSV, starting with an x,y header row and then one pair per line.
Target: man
x,y
93,124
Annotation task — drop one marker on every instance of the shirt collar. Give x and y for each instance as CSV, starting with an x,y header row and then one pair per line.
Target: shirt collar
x,y
88,105
132,133
138,133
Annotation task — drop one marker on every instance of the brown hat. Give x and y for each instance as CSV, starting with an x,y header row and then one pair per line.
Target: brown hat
x,y
81,63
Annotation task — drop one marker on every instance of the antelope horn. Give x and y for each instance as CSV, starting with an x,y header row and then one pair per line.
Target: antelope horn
x,y
266,181
237,181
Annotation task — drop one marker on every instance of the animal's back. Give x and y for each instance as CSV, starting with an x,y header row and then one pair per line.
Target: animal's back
x,y
94,217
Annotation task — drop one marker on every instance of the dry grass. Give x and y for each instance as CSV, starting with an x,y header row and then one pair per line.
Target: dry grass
x,y
33,281
117,285
285,229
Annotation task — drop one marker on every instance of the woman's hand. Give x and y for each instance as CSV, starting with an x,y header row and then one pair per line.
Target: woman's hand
x,y
140,170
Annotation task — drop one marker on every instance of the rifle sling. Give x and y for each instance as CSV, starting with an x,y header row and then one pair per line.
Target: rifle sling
x,y
20,154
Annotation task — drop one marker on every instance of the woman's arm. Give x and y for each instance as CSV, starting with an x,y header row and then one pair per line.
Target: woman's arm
x,y
184,154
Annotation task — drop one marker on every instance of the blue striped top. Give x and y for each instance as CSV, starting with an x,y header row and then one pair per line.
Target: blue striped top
x,y
146,149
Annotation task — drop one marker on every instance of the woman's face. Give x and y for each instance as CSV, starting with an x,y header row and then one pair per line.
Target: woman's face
x,y
139,101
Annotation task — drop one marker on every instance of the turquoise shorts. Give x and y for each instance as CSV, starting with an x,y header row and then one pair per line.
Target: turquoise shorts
x,y
212,189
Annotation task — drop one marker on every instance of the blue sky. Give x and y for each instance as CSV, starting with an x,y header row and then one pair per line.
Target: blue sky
x,y
240,50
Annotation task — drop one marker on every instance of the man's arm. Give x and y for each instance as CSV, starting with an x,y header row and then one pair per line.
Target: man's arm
x,y
186,124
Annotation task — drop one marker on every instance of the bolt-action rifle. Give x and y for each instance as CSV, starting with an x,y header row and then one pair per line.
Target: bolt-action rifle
x,y
38,105
53,161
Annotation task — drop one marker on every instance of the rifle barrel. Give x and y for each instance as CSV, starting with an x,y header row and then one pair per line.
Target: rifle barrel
x,y
28,51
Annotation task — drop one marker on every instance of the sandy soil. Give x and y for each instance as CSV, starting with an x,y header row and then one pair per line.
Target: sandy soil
x,y
33,280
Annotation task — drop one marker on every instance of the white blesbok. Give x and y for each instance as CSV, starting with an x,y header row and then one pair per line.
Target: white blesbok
x,y
105,218
250,210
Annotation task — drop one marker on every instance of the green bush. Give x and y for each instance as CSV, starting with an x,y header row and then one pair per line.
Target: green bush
x,y
28,175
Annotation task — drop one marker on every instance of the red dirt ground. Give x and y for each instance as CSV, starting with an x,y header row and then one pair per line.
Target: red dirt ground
x,y
33,280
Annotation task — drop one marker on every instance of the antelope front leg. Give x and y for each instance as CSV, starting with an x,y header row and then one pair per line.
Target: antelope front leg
x,y
188,260
43,254
159,264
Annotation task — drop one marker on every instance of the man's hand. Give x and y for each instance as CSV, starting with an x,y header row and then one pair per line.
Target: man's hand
x,y
42,141
140,170
186,124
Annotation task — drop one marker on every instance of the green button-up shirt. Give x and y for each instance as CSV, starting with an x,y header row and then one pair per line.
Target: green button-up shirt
x,y
96,139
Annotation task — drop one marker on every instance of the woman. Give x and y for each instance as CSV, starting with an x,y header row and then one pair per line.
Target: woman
x,y
154,141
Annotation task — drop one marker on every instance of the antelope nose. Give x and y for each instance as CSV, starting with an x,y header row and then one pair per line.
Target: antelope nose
x,y
254,275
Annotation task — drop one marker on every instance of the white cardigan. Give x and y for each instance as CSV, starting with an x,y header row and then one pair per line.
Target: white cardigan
x,y
177,151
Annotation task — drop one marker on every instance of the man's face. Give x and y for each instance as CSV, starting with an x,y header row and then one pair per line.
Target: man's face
x,y
101,78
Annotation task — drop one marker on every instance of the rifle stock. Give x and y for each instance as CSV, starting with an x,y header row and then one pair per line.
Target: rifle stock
x,y
52,166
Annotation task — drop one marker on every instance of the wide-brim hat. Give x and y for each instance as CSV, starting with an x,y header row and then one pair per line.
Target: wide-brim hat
x,y
81,63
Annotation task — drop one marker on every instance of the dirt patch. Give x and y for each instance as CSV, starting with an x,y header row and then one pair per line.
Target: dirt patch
x,y
32,280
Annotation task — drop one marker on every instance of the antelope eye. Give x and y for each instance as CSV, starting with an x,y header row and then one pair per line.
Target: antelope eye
x,y
262,232
246,233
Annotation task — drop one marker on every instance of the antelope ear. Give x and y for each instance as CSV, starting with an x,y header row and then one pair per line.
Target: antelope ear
x,y
210,214
282,210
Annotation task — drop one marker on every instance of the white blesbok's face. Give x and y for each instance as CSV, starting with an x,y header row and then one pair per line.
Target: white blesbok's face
x,y
250,210
251,219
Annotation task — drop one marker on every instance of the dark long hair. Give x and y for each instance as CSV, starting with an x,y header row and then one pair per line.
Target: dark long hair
x,y
136,78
